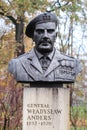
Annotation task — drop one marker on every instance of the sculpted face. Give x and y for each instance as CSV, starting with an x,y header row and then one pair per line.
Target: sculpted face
x,y
44,37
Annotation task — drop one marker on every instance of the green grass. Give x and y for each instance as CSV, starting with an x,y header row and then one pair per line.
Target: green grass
x,y
80,111
84,128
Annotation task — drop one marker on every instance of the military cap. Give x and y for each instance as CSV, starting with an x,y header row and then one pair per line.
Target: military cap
x,y
44,17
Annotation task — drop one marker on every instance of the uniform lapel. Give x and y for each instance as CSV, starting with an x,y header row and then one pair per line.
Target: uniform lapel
x,y
36,64
31,60
54,63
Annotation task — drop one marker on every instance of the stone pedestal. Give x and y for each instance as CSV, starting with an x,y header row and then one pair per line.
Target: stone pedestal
x,y
45,109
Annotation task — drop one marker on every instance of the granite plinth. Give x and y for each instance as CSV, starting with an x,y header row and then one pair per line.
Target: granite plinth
x,y
45,108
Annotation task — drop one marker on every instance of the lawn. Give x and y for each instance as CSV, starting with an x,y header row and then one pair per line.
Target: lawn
x,y
79,117
81,128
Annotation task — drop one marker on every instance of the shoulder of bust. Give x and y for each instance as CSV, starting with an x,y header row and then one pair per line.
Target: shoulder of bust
x,y
24,56
64,56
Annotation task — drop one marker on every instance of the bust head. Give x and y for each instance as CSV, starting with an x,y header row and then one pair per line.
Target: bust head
x,y
42,29
44,37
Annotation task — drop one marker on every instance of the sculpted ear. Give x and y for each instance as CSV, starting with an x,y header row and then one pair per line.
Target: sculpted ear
x,y
56,34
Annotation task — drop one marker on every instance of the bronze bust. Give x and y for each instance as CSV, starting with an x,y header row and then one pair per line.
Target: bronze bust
x,y
44,62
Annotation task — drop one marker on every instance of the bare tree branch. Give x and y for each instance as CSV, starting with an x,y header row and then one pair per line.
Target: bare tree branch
x,y
10,17
57,5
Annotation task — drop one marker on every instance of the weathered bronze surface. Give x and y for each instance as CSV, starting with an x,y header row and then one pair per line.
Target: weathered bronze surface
x,y
44,63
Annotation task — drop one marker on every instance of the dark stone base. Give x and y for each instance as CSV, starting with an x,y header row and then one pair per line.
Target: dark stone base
x,y
46,84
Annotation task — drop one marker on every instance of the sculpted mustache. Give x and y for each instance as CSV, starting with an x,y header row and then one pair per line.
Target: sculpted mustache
x,y
45,40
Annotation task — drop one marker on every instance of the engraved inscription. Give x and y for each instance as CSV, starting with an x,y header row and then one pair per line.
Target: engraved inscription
x,y
41,114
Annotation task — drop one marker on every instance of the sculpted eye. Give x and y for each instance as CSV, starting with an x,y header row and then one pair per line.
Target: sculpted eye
x,y
39,31
50,30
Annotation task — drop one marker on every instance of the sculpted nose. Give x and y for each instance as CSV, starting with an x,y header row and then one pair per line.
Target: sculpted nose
x,y
45,34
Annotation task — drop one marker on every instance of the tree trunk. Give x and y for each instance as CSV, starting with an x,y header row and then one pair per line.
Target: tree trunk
x,y
5,123
20,36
